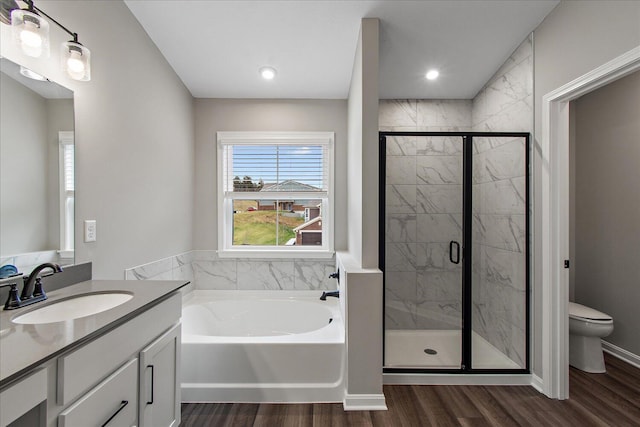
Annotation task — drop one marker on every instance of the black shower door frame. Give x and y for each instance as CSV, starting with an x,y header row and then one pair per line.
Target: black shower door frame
x,y
466,366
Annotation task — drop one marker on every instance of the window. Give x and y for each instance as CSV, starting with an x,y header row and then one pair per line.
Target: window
x,y
67,193
275,193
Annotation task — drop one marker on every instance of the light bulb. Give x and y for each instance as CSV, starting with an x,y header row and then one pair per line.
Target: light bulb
x,y
30,32
432,74
75,63
268,73
30,36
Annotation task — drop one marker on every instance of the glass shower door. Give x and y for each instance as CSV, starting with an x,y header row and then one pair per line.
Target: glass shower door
x,y
423,234
499,252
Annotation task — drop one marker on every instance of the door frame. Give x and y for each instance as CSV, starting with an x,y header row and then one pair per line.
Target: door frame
x,y
467,158
554,208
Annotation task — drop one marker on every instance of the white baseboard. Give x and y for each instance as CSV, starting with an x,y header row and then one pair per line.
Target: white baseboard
x,y
621,353
364,402
536,382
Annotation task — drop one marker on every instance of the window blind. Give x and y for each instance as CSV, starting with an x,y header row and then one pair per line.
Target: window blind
x,y
68,167
272,168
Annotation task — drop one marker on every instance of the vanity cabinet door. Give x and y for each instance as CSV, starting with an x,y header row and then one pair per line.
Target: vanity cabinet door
x,y
112,403
159,381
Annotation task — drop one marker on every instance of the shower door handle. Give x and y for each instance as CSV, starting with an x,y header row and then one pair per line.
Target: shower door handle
x,y
457,257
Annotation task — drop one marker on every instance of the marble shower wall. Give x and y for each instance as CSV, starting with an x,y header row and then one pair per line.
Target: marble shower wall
x,y
505,104
423,207
207,271
423,213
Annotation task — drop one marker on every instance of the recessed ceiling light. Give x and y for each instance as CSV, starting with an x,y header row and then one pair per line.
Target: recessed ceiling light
x,y
268,73
432,74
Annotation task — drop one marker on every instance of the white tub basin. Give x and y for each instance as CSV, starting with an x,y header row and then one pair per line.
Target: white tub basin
x,y
74,308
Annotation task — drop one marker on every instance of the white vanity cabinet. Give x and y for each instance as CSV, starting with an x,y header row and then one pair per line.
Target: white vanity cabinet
x,y
128,376
112,403
160,381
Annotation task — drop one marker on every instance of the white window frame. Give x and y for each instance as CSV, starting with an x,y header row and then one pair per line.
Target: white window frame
x,y
225,201
66,217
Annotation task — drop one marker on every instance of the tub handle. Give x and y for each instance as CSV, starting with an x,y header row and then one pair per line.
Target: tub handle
x,y
150,402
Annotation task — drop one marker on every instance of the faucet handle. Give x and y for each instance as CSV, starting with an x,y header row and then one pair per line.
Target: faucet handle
x,y
13,301
37,289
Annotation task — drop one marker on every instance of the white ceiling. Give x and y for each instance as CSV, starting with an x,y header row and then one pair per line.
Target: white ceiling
x,y
217,47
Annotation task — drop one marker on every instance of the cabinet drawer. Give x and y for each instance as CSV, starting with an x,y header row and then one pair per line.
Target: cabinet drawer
x,y
80,370
111,403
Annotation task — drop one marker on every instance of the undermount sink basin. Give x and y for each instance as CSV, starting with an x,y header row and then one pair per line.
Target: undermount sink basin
x,y
74,308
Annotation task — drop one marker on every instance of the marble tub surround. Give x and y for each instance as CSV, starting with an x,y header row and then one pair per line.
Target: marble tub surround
x,y
28,261
209,272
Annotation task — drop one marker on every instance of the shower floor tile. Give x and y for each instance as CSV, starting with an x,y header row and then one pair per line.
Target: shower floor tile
x,y
406,349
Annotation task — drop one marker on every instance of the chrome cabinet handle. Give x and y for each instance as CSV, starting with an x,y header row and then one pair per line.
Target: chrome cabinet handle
x,y
122,405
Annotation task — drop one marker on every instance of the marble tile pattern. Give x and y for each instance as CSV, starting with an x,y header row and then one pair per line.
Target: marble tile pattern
x,y
28,261
424,212
499,220
209,272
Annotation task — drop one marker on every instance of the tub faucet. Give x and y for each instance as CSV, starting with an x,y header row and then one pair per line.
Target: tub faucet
x,y
32,287
329,294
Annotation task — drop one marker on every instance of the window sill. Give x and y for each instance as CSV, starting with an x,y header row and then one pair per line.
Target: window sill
x,y
268,254
65,253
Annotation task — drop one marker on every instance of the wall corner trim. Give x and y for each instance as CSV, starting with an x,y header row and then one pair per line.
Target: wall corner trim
x,y
364,402
536,382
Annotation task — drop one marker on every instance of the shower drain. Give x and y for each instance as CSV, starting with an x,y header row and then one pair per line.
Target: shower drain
x,y
430,351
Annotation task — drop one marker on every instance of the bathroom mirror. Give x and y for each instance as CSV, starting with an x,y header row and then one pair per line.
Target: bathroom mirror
x,y
36,170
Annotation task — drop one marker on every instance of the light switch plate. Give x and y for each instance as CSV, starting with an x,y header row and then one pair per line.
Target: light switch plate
x,y
90,230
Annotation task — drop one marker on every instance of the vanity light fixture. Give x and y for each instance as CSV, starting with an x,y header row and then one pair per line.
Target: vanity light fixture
x,y
432,74
31,33
268,73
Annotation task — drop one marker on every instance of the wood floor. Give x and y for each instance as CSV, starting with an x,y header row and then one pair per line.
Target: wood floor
x,y
611,399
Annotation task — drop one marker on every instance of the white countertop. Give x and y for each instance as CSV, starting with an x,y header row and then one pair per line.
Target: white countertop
x,y
24,347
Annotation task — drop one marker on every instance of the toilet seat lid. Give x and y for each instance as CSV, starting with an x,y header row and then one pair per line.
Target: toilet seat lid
x,y
579,311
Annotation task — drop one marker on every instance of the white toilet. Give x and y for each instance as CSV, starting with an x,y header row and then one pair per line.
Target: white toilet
x,y
586,327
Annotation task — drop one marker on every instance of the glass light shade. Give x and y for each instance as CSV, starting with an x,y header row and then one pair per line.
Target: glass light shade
x,y
30,32
76,61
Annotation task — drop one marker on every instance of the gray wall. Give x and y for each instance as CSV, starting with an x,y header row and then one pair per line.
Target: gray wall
x,y
575,38
363,154
133,134
607,206
24,169
213,115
